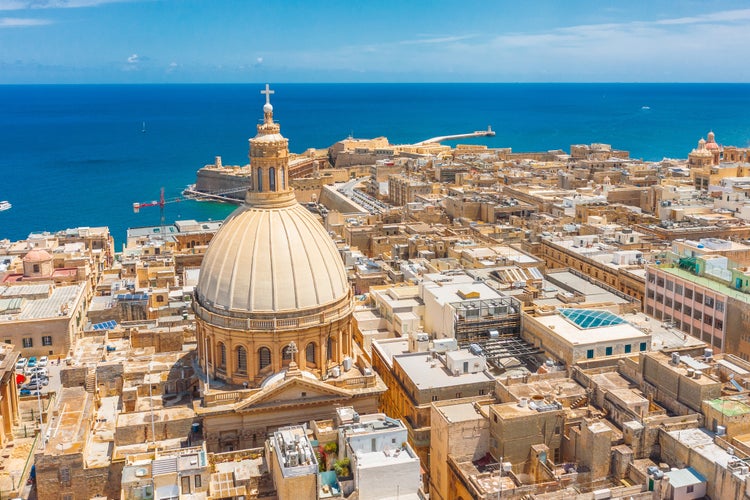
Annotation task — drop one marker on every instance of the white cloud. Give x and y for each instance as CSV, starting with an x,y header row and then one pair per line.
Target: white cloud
x,y
134,59
20,22
52,4
437,39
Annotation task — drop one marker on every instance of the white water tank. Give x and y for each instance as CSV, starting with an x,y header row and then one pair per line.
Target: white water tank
x,y
347,363
336,372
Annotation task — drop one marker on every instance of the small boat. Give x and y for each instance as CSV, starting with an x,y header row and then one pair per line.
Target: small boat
x,y
645,108
5,205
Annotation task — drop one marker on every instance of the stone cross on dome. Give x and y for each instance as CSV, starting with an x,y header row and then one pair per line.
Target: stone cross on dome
x,y
291,349
268,93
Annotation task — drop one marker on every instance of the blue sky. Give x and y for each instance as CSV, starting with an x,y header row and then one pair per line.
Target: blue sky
x,y
144,41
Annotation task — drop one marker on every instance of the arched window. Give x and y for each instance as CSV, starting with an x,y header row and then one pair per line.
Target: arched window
x,y
283,179
222,356
329,348
260,180
272,179
286,355
241,359
264,357
310,353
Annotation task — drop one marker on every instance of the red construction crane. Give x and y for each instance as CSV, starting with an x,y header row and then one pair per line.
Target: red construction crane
x,y
137,206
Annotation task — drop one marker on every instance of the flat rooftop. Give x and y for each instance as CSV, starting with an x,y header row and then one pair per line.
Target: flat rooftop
x,y
383,458
707,283
701,441
419,368
59,303
68,432
565,329
460,412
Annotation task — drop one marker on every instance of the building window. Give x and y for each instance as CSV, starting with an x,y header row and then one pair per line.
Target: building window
x,y
222,356
241,359
458,395
434,398
708,319
481,392
678,289
651,277
690,488
36,268
687,311
660,281
688,293
628,348
650,294
642,346
698,298
590,354
28,342
697,314
272,179
198,481
668,302
720,306
650,310
264,357
670,285
608,351
310,353
47,340
709,301
678,306
719,324
65,476
659,298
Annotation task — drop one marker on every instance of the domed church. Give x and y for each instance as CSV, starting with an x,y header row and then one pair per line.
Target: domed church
x,y
273,312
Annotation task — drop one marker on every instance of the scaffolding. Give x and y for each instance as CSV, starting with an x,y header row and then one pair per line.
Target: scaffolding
x,y
476,318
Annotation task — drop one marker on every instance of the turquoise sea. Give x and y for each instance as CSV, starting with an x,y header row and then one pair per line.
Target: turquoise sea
x,y
76,155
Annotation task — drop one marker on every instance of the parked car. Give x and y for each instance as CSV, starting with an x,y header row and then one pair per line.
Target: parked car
x,y
32,361
32,386
21,363
36,369
39,378
43,361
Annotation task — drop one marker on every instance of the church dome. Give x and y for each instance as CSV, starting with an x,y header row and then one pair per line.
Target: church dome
x,y
271,257
265,261
37,255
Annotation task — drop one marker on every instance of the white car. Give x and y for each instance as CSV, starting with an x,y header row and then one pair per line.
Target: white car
x,y
21,363
37,370
43,361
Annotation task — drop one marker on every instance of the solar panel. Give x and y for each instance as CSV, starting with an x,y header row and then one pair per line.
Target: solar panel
x,y
107,325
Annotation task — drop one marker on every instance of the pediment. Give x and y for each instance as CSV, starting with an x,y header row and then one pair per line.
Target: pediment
x,y
293,391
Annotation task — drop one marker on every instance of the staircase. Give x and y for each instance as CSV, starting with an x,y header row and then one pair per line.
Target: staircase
x,y
91,382
580,402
